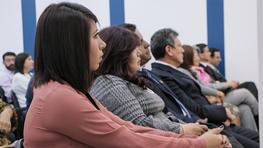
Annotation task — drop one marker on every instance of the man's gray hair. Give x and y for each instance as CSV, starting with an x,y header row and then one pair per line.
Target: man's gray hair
x,y
160,39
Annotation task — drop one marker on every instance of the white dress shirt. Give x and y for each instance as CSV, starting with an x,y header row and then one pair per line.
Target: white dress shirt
x,y
19,86
6,78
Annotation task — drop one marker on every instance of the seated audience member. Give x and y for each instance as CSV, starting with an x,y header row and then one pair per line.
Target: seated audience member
x,y
8,124
62,113
167,49
169,56
123,92
23,64
210,60
6,76
215,60
241,98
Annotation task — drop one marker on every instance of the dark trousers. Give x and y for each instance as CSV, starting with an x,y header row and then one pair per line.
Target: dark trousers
x,y
239,135
251,87
248,138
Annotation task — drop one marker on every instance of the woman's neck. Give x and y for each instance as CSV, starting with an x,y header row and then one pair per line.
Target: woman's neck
x,y
26,71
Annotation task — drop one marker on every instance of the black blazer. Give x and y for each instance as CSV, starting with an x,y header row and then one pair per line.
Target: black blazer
x,y
167,95
189,93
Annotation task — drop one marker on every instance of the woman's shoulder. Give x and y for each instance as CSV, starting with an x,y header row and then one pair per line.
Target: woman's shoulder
x,y
108,77
109,80
18,75
198,69
107,84
183,70
54,88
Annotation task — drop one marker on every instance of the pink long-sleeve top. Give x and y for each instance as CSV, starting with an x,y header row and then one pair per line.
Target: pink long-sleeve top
x,y
59,117
202,75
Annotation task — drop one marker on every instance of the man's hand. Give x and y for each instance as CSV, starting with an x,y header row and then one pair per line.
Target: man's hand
x,y
233,84
220,95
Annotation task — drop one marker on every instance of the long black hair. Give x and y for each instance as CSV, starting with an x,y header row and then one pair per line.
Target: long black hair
x,y
62,46
121,43
188,61
20,61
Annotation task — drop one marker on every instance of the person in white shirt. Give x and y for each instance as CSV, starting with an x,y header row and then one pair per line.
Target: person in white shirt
x,y
23,64
7,74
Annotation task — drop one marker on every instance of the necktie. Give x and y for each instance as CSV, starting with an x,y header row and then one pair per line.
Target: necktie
x,y
161,84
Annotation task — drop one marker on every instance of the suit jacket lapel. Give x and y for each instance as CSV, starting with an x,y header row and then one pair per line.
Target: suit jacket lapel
x,y
168,71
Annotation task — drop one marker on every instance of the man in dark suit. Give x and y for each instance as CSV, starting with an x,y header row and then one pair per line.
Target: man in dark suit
x,y
167,49
173,105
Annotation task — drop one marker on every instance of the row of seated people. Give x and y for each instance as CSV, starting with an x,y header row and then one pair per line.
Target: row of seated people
x,y
158,98
153,114
16,76
231,92
164,122
62,113
13,83
130,96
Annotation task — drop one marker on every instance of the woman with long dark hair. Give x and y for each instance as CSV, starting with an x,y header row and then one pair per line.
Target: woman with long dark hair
x,y
23,65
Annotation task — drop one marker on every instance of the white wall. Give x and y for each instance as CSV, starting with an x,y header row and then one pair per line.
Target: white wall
x,y
241,40
260,67
11,26
187,17
11,37
99,7
243,44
